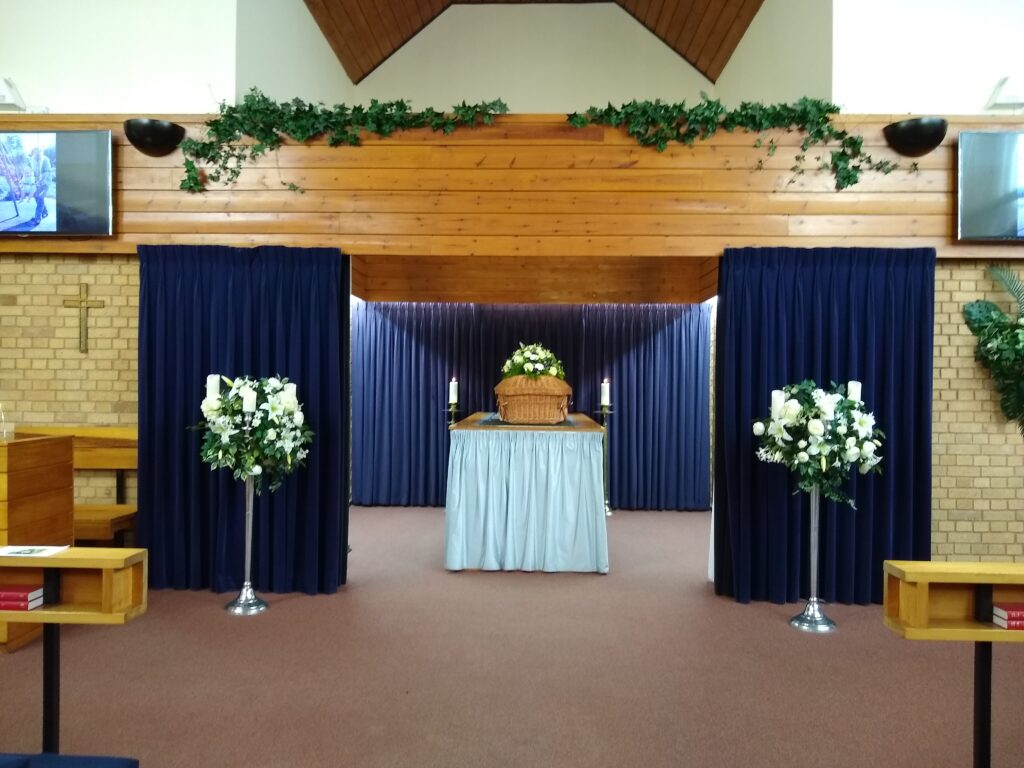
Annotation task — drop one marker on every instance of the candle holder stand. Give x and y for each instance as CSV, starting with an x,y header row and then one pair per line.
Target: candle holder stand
x,y
605,412
453,408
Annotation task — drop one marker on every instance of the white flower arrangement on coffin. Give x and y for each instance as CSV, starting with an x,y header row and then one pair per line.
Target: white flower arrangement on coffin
x,y
256,428
820,435
533,360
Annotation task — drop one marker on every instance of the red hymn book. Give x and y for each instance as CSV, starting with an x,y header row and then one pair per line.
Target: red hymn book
x,y
1008,610
20,597
20,593
1008,615
20,605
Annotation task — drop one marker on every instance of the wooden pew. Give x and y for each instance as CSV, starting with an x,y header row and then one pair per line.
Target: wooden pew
x,y
101,448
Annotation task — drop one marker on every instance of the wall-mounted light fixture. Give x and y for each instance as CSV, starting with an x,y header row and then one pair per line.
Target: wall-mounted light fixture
x,y
10,98
916,136
155,138
1008,94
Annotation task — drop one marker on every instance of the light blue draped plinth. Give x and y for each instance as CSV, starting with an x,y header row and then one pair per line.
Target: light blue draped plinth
x,y
526,500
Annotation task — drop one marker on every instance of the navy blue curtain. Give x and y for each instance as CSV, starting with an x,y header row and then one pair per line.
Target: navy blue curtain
x,y
656,356
828,314
257,312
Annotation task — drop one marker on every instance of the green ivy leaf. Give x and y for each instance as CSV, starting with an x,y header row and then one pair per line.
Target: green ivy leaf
x,y
655,123
269,123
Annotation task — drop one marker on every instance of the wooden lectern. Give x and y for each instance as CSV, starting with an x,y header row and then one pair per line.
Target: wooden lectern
x,y
953,601
36,506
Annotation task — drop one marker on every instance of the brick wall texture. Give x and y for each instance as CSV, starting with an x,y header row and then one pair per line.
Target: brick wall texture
x,y
44,378
977,456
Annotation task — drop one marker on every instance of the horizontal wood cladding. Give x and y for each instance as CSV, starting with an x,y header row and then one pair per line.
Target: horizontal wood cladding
x,y
531,209
566,280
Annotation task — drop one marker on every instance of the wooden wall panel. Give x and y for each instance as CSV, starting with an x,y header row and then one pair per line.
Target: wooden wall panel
x,y
531,209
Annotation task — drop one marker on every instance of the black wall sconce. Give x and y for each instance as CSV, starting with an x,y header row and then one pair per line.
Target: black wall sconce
x,y
155,138
917,136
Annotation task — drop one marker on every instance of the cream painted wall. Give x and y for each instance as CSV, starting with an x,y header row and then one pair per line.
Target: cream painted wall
x,y
282,52
131,56
159,56
539,58
923,56
786,53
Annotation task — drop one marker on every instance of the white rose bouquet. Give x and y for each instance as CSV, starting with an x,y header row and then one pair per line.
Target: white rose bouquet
x,y
533,360
820,435
255,428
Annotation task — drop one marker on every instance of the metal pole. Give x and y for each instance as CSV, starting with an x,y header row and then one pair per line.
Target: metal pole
x,y
815,510
811,618
982,704
248,528
51,688
247,603
605,410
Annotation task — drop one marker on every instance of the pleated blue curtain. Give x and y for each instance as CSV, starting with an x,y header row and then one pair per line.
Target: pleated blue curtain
x,y
259,312
657,357
828,314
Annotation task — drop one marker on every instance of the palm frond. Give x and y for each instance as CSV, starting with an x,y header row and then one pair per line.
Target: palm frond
x,y
1012,282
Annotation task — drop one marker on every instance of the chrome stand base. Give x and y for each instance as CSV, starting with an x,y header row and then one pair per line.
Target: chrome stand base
x,y
607,509
247,603
811,619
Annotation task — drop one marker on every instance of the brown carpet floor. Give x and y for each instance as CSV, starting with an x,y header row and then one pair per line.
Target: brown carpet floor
x,y
412,666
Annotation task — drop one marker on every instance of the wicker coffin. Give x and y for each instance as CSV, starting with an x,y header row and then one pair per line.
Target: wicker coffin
x,y
526,400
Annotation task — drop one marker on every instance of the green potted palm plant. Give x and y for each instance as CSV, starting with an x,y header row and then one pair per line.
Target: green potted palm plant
x,y
1001,343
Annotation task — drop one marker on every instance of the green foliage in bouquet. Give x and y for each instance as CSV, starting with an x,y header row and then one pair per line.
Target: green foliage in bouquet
x,y
255,428
534,361
819,435
1001,344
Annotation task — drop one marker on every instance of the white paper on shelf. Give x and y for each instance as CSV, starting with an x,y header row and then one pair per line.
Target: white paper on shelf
x,y
30,550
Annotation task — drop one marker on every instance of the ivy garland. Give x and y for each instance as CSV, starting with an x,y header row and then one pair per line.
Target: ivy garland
x,y
651,123
268,123
655,123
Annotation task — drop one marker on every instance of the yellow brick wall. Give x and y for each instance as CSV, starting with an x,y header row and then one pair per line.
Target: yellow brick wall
x,y
44,378
977,455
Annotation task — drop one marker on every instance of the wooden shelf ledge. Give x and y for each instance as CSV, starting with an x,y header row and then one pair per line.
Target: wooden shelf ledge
x,y
938,600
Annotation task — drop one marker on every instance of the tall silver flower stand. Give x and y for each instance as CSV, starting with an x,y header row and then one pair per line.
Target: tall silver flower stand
x,y
812,618
248,602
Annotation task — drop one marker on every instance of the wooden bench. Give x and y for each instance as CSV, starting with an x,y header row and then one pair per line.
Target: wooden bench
x,y
101,448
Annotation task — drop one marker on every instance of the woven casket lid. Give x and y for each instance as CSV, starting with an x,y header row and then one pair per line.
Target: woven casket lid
x,y
529,385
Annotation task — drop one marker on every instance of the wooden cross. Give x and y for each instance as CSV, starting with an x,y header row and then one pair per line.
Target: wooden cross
x,y
83,305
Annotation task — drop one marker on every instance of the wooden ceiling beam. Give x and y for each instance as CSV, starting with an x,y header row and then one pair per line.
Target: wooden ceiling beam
x,y
684,42
713,31
650,19
336,30
364,33
743,20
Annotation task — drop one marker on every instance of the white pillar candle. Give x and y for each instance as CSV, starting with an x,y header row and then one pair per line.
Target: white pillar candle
x,y
606,393
778,401
213,385
853,390
453,391
248,400
289,398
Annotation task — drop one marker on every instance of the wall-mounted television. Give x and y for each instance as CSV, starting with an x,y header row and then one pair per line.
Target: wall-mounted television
x,y
990,195
55,183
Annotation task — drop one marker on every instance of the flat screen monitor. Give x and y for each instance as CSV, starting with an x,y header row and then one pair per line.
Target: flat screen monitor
x,y
55,183
990,195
